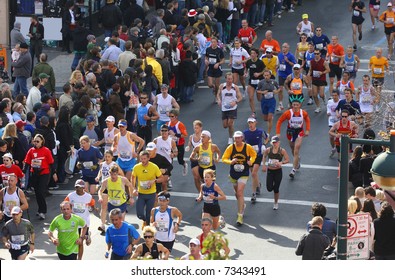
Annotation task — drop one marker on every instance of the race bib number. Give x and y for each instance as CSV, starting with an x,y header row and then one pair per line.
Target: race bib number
x,y
390,20
244,39
376,7
205,160
269,95
282,67
356,13
366,100
239,167
162,226
16,240
254,82
88,164
350,68
295,86
334,58
316,74
36,163
377,71
319,46
79,208
114,202
145,185
207,199
125,155
212,60
273,162
163,110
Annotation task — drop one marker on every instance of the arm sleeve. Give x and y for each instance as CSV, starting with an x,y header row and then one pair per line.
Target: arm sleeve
x,y
226,156
307,118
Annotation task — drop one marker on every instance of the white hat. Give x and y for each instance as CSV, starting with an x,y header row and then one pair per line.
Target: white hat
x,y
8,155
269,49
296,66
150,146
16,210
207,133
110,119
389,4
238,134
195,241
251,120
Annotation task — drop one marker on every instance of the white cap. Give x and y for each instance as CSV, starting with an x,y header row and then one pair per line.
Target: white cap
x,y
16,210
150,146
110,119
296,66
389,4
195,241
106,39
251,120
238,134
207,133
269,49
8,155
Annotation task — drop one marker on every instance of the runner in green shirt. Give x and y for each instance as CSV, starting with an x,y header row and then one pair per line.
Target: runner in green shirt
x,y
69,236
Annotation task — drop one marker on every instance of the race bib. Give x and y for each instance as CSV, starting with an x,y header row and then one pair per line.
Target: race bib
x,y
125,155
244,39
319,46
212,60
268,95
377,71
15,246
145,185
350,68
36,163
316,74
376,7
334,58
356,13
272,162
207,199
114,202
390,20
366,100
295,86
162,226
79,208
282,67
16,240
205,160
254,82
239,167
88,164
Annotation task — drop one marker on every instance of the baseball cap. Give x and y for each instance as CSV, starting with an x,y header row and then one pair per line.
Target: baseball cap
x,y
43,76
8,155
20,123
164,86
165,195
23,46
296,66
110,119
122,123
79,183
195,241
238,134
106,39
275,139
90,119
389,4
269,50
207,133
305,16
150,146
16,210
251,120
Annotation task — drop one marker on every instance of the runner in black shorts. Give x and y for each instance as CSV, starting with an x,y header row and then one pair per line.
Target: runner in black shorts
x,y
214,58
256,68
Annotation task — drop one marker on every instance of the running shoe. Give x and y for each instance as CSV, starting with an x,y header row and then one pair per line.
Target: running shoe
x,y
53,188
88,239
102,228
239,221
253,115
333,152
292,174
317,110
373,27
355,47
200,82
185,169
310,101
260,24
253,198
280,107
41,216
360,36
169,184
258,189
291,11
275,206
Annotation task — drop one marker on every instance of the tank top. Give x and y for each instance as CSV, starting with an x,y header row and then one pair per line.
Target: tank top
x,y
241,168
105,170
365,100
349,63
296,84
344,130
164,226
194,143
302,49
237,56
164,106
274,158
306,28
177,137
108,139
228,96
308,56
143,110
296,121
10,200
318,66
116,192
154,251
205,156
126,147
207,191
164,147
341,89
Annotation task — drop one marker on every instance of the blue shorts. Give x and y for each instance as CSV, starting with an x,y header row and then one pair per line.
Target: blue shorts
x,y
268,105
122,207
126,165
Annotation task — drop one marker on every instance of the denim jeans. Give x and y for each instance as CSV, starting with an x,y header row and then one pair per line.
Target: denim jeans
x,y
144,204
269,13
277,6
252,15
202,67
220,31
20,86
76,60
188,93
261,12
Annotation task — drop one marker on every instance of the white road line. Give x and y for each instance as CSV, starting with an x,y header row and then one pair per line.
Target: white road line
x,y
263,200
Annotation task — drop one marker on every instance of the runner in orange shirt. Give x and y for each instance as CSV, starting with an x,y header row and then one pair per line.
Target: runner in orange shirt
x,y
296,119
388,18
334,55
269,42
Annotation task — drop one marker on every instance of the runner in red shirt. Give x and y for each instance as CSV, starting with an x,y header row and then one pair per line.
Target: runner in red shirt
x,y
8,168
247,35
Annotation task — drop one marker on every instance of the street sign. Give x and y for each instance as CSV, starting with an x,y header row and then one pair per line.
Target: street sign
x,y
358,232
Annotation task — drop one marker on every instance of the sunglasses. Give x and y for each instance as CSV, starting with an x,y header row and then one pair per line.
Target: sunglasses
x,y
143,97
36,141
164,130
317,53
344,116
148,236
171,116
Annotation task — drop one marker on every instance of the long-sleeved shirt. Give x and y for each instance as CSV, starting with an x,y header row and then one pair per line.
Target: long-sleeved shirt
x,y
287,116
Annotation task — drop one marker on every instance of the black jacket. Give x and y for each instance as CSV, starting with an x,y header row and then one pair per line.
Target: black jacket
x,y
131,13
79,37
39,34
63,131
312,245
188,71
110,16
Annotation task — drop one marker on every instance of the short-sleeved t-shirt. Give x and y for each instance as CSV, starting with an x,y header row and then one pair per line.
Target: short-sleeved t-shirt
x,y
214,56
121,238
18,235
145,174
378,66
88,158
67,233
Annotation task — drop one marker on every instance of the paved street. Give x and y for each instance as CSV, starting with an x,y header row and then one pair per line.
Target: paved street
x,y
266,234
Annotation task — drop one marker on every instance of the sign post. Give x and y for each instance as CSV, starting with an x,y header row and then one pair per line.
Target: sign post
x,y
358,232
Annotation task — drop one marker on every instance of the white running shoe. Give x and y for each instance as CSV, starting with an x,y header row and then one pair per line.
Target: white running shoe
x,y
317,110
275,206
310,101
185,169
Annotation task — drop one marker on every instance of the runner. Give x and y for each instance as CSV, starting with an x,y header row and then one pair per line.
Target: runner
x,y
149,249
145,114
9,168
388,18
11,196
378,66
206,154
109,133
366,97
344,84
18,235
120,191
277,157
305,26
271,62
167,220
238,56
125,144
67,226
343,127
194,251
357,7
350,63
301,48
286,62
80,201
207,225
164,103
164,166
267,87
255,67
240,156
178,133
194,141
348,103
320,41
271,43
227,98
296,119
258,139
332,117
306,64
374,7
294,84
214,58
334,55
247,35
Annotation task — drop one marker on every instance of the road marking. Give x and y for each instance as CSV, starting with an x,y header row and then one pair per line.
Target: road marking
x,y
232,198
